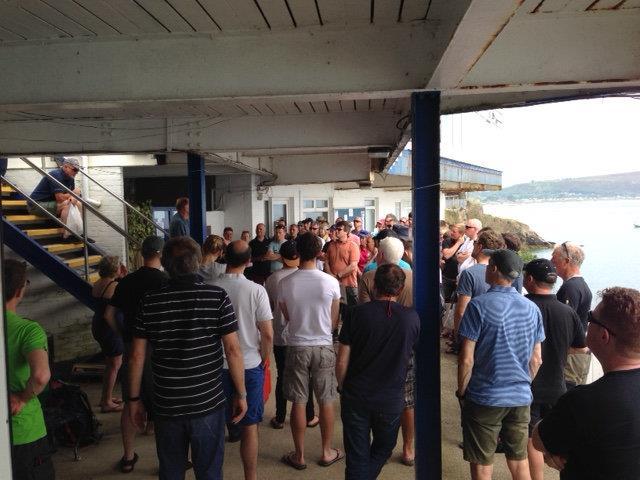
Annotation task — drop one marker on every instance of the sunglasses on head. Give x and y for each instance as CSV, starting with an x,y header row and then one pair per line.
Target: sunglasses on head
x,y
592,319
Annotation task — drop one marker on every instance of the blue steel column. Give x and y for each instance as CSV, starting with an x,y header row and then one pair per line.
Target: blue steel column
x,y
197,199
425,165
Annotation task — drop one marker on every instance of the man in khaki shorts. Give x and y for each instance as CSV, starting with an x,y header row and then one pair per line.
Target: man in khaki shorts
x,y
500,354
309,301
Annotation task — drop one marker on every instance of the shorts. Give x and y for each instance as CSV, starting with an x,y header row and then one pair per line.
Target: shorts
x,y
481,426
410,383
538,412
32,460
51,207
110,342
254,384
317,363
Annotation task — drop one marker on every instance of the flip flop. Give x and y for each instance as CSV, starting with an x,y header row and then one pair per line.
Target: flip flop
x,y
409,462
313,423
126,466
328,463
117,408
287,459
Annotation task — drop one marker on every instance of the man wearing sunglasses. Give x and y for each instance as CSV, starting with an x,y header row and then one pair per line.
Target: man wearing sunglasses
x,y
594,430
55,199
465,260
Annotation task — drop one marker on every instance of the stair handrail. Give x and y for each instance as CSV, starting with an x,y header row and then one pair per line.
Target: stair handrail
x,y
49,214
86,204
125,203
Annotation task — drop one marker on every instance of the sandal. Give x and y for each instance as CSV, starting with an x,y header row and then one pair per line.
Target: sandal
x,y
288,459
328,463
314,422
126,466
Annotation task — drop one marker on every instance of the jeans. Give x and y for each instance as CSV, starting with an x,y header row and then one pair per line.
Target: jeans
x,y
204,434
280,354
366,456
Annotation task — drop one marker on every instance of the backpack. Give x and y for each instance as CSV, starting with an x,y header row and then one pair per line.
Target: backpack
x,y
69,418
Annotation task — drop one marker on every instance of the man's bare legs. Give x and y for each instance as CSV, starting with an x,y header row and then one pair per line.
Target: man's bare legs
x,y
536,462
408,434
249,451
298,421
128,433
327,418
519,469
111,373
481,472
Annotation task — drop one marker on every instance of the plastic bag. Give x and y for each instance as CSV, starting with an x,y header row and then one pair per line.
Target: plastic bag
x,y
74,220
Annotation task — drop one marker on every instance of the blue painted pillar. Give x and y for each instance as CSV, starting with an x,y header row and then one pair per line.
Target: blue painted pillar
x,y
197,199
425,165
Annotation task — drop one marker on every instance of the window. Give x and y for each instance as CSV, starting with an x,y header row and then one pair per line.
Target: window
x,y
314,208
369,217
162,216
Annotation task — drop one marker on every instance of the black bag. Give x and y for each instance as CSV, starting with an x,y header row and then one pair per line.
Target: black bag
x,y
69,417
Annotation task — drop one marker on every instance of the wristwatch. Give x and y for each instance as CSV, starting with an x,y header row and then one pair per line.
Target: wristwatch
x,y
241,396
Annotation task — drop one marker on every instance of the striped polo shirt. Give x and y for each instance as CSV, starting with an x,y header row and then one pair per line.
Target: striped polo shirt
x,y
184,322
505,326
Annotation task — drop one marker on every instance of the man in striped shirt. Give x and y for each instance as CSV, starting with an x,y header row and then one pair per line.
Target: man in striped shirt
x,y
188,323
500,355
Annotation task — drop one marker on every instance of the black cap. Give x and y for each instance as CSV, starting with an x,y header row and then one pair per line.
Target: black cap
x,y
289,253
384,233
152,245
402,231
508,262
542,270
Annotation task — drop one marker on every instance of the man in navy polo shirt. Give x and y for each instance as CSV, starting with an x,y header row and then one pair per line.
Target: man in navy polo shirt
x,y
500,355
55,199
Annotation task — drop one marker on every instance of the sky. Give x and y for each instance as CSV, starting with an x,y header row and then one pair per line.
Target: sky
x,y
560,140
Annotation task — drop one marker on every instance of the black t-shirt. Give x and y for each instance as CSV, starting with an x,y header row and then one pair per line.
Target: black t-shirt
x,y
450,267
597,428
130,291
258,249
562,329
382,336
576,293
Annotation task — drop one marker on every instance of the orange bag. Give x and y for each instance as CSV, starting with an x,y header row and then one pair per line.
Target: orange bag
x,y
266,389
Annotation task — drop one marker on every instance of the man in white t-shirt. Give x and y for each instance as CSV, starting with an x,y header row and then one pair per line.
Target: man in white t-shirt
x,y
253,312
464,257
310,301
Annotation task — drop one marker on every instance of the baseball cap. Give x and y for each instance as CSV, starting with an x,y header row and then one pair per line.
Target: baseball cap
x,y
508,262
152,245
402,231
387,232
289,253
73,161
542,270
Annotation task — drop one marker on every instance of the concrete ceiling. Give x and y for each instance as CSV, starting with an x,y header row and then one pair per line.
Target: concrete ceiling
x,y
290,77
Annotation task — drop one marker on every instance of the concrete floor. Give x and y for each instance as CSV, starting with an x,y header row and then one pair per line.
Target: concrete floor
x,y
100,461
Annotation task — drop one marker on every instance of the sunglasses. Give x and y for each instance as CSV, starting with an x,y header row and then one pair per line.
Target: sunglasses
x,y
469,226
566,250
592,319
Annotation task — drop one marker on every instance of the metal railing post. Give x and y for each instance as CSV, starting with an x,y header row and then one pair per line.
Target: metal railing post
x,y
86,244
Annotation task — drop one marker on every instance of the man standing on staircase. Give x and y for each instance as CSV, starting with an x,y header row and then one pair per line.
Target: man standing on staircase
x,y
126,298
55,199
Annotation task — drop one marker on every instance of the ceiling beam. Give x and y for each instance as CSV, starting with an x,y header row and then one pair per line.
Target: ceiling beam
x,y
181,67
331,131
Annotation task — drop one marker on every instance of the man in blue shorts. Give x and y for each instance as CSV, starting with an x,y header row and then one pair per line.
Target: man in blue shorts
x,y
500,355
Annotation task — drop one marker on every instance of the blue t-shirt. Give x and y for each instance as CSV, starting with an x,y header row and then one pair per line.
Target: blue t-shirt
x,y
274,246
46,189
505,326
472,284
373,265
178,227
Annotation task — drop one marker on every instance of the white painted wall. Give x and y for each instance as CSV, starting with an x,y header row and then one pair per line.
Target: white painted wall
x,y
5,437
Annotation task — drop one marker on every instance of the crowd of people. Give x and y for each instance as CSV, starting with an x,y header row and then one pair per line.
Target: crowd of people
x,y
523,360
191,334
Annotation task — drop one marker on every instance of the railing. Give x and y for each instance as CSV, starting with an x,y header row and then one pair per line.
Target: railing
x,y
86,206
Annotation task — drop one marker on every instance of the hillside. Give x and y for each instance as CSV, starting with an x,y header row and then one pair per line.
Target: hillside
x,y
619,185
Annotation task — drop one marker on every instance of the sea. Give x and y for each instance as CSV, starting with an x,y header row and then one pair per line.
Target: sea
x,y
604,228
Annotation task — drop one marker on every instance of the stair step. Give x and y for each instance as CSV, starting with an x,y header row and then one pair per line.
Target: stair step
x,y
13,204
79,261
94,277
22,219
63,247
7,190
44,232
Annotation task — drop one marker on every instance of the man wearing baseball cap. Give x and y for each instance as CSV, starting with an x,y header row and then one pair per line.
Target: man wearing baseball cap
x,y
50,195
564,332
500,354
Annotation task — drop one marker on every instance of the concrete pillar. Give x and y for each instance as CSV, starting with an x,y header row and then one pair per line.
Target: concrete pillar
x,y
425,131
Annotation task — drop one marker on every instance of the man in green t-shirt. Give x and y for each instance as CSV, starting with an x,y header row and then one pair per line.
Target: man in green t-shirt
x,y
28,376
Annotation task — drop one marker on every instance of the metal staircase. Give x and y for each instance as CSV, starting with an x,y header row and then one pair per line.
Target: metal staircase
x,y
38,238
